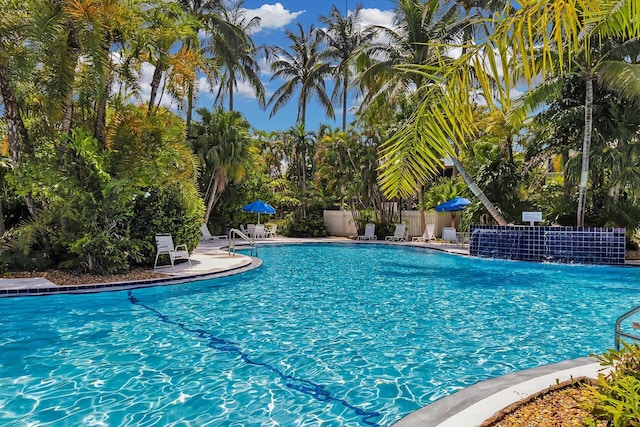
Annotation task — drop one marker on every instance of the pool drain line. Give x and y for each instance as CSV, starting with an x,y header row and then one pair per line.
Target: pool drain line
x,y
301,385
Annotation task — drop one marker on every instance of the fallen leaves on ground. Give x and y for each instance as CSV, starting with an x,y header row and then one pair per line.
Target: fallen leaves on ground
x,y
556,407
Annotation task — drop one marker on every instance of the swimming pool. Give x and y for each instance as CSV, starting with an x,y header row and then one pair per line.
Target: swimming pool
x,y
320,334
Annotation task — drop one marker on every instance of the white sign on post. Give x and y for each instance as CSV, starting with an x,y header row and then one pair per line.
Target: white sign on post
x,y
531,217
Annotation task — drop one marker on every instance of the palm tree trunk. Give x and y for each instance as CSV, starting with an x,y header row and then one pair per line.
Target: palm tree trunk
x,y
493,211
16,131
423,219
214,195
189,112
155,84
345,87
2,227
73,47
586,147
231,97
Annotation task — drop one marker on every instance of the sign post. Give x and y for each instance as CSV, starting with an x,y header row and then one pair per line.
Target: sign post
x,y
531,217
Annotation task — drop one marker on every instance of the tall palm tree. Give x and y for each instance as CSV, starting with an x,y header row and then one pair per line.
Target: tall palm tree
x,y
449,117
236,57
344,38
15,21
419,28
303,71
221,141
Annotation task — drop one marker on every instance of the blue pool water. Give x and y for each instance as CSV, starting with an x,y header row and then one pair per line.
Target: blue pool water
x,y
336,335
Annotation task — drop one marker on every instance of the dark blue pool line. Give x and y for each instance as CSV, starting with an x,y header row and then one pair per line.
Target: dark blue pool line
x,y
307,387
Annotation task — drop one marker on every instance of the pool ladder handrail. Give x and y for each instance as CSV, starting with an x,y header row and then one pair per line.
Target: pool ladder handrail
x,y
233,233
619,333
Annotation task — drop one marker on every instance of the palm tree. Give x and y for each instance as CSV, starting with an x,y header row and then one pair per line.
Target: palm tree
x,y
420,27
299,145
14,23
221,141
236,57
448,117
303,71
344,38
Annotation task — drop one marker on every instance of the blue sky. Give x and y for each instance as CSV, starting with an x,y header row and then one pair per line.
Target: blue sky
x,y
276,18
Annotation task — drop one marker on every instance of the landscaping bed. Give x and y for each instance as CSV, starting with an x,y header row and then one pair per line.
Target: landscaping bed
x,y
64,278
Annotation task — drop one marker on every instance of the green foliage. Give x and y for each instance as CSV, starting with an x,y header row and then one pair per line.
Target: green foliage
x,y
615,398
295,225
383,227
441,190
166,211
91,219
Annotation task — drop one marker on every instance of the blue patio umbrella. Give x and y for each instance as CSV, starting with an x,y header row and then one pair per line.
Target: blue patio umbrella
x,y
453,205
259,207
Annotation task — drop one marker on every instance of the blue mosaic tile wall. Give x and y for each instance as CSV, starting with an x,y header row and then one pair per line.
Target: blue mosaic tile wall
x,y
552,244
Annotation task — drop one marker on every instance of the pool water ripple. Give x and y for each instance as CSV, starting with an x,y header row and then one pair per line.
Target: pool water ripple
x,y
385,330
301,385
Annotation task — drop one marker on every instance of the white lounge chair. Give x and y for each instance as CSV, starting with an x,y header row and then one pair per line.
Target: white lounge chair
x,y
251,230
206,234
369,233
429,234
399,235
164,246
449,235
271,232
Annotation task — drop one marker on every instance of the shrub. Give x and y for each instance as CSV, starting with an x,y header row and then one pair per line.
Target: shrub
x,y
615,398
166,211
294,225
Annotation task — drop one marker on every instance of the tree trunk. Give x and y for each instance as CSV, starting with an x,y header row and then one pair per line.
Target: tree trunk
x,y
216,183
100,122
345,87
586,147
2,227
493,211
231,96
155,84
423,219
73,47
16,131
189,112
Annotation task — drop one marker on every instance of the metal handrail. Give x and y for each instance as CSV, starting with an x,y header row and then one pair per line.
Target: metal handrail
x,y
619,333
233,233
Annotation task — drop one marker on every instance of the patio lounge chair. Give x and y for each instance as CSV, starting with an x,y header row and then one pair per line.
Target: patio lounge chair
x,y
271,232
399,235
449,235
369,233
206,234
429,234
164,245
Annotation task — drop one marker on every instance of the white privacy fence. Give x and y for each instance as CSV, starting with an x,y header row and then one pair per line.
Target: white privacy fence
x,y
340,223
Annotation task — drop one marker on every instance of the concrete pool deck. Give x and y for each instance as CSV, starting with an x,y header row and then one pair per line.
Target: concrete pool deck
x,y
468,407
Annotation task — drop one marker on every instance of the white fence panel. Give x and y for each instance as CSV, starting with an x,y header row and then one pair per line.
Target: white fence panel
x,y
340,223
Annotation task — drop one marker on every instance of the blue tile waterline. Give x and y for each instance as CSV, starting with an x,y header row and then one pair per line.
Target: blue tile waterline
x,y
301,385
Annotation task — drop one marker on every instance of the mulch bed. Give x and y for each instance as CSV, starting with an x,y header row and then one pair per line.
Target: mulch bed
x,y
557,406
64,278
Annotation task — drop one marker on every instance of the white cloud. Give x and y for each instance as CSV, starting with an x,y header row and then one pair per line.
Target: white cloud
x,y
244,91
376,16
272,16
